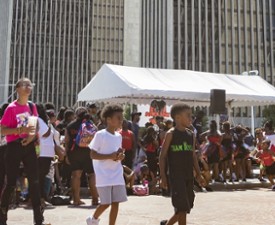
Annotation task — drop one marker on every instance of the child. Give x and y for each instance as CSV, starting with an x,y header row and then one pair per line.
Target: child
x,y
179,151
267,159
107,154
147,175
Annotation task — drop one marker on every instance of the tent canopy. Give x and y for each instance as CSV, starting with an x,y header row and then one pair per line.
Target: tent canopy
x,y
122,84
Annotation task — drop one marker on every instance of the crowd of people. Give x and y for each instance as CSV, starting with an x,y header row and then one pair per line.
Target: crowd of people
x,y
45,152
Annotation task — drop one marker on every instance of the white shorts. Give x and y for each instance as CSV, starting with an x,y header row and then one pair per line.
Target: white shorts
x,y
110,194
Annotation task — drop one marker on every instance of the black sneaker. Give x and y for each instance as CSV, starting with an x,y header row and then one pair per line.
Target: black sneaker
x,y
261,179
163,222
208,189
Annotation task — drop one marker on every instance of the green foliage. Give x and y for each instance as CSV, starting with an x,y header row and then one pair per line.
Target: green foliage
x,y
269,114
127,111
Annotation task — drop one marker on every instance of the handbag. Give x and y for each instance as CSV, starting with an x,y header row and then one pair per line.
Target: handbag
x,y
140,190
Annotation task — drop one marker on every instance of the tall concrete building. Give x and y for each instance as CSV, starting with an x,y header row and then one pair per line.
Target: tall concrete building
x,y
221,36
58,44
224,36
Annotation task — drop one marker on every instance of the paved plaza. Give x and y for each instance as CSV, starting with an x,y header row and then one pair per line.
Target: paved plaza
x,y
227,207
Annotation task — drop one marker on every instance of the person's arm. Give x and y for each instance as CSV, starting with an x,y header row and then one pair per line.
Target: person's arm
x,y
163,158
199,177
134,141
95,155
47,134
128,171
19,130
67,140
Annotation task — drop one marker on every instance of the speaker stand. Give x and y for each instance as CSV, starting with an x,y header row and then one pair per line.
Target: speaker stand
x,y
217,117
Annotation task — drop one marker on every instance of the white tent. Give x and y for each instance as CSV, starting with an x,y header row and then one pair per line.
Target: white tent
x,y
122,84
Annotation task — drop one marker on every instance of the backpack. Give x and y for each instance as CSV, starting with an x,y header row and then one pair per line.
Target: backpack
x,y
85,134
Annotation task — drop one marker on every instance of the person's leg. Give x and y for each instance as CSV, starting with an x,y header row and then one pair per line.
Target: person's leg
x,y
12,162
230,167
182,218
76,175
88,168
99,210
30,162
113,213
248,167
44,164
172,220
270,178
238,168
216,171
224,169
2,168
93,190
243,168
128,161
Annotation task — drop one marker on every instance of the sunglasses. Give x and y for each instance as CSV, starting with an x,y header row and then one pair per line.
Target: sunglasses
x,y
25,85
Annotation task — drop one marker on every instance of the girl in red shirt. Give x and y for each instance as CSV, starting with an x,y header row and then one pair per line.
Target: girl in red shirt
x,y
267,159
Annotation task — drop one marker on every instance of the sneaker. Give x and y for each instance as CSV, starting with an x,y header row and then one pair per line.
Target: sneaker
x,y
208,189
261,179
163,222
92,221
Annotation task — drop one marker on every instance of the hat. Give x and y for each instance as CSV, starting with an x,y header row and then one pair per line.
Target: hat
x,y
136,113
50,113
91,105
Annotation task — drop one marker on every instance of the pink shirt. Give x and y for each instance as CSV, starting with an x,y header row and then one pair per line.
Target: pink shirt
x,y
17,116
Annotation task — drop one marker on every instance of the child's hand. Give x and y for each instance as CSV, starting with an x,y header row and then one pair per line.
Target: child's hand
x,y
163,183
114,156
120,156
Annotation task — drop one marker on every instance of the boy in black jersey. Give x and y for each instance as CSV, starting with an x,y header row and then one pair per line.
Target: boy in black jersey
x,y
178,151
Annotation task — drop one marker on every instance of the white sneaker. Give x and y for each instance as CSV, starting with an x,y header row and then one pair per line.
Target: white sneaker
x,y
92,221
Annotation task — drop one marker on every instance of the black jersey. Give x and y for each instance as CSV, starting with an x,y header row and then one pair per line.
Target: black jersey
x,y
180,155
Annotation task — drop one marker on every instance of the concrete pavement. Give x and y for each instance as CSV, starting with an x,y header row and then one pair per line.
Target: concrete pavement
x,y
228,207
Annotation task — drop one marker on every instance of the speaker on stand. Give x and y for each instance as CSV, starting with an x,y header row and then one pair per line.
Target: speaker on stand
x,y
217,103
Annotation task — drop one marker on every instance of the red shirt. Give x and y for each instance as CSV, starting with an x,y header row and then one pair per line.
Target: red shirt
x,y
267,158
127,139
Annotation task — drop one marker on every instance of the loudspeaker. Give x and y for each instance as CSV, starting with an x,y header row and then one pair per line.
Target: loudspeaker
x,y
217,101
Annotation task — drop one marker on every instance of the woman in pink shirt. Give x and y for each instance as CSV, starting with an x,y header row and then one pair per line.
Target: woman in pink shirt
x,y
20,147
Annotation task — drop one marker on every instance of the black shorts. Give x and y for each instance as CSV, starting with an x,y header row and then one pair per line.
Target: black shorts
x,y
80,160
183,195
270,170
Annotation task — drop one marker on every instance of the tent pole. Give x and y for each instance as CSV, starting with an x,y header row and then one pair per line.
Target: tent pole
x,y
230,115
252,121
218,121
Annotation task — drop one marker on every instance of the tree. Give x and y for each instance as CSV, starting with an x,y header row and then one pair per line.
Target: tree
x,y
269,114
